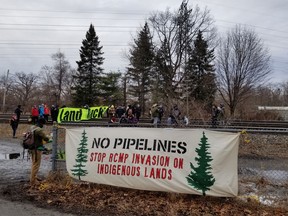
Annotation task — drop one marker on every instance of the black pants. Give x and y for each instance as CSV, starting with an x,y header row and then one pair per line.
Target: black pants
x,y
34,119
46,117
14,128
214,122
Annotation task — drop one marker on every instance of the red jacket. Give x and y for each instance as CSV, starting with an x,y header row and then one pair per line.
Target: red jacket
x,y
34,111
46,111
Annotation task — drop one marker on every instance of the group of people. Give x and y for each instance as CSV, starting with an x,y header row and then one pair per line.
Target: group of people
x,y
130,114
174,117
43,111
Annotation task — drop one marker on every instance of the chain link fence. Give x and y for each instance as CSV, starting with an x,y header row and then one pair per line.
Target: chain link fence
x,y
262,163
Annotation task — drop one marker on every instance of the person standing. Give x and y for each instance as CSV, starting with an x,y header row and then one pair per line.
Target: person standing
x,y
176,112
155,114
161,112
221,114
54,113
214,115
36,153
46,112
111,112
137,112
34,114
41,110
14,124
18,112
120,111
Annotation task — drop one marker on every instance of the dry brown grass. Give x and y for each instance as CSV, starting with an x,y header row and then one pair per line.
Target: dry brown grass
x,y
87,198
6,130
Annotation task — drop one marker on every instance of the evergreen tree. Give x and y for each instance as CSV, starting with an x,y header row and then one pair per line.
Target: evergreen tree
x,y
81,158
88,76
200,177
111,89
200,76
141,66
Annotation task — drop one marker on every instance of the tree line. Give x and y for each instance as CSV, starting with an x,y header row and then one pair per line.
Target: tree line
x,y
177,57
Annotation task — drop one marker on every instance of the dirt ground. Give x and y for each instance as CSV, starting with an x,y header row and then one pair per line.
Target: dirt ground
x,y
60,193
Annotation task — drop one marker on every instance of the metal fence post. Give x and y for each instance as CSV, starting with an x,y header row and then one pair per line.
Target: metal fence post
x,y
54,147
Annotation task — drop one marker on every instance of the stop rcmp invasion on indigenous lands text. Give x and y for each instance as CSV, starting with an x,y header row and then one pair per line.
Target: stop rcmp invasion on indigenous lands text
x,y
138,159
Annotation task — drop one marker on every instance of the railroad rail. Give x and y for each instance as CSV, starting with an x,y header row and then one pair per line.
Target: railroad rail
x,y
280,127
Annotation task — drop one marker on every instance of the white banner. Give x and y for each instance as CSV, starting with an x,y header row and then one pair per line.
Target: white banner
x,y
192,161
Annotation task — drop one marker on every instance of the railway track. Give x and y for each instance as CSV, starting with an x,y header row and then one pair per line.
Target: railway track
x,y
229,126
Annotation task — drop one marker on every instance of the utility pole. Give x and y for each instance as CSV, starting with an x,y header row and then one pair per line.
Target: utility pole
x,y
185,60
5,89
187,100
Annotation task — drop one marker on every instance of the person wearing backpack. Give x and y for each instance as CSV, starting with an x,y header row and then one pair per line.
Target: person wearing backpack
x,y
36,152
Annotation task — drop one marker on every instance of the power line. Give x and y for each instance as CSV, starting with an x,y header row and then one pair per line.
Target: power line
x,y
242,9
103,29
62,25
74,18
57,44
108,11
254,26
68,30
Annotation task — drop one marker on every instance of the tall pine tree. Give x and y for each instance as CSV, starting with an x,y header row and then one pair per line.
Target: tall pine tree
x,y
88,77
200,177
111,89
141,65
200,76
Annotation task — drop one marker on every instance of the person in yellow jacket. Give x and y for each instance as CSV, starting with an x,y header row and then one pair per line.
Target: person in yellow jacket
x,y
36,153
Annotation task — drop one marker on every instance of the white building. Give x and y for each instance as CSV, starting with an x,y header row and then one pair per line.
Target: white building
x,y
282,111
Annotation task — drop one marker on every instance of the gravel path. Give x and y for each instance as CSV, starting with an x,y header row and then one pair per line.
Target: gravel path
x,y
16,170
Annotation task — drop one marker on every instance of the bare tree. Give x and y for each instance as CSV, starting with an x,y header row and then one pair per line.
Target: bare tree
x,y
56,80
67,90
174,31
6,83
48,85
242,64
61,74
24,88
285,93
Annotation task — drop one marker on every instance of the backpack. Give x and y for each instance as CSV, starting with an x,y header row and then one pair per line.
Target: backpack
x,y
13,119
28,140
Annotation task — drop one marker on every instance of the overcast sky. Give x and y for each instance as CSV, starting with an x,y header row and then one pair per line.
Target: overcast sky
x,y
31,31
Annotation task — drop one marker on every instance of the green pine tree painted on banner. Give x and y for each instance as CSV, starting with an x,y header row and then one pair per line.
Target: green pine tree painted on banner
x,y
81,158
200,177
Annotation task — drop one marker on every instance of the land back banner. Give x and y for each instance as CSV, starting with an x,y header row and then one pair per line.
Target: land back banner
x,y
192,161
69,114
